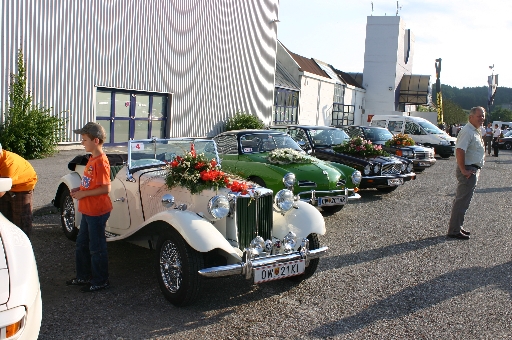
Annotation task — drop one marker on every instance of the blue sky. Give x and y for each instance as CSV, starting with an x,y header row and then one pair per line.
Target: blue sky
x,y
469,35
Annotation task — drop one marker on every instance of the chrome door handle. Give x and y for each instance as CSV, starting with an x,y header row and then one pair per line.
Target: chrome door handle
x,y
120,199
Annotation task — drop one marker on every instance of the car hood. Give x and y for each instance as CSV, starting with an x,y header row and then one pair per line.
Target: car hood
x,y
317,171
19,281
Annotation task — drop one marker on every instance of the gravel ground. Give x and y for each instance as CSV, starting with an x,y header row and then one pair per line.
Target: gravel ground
x,y
390,274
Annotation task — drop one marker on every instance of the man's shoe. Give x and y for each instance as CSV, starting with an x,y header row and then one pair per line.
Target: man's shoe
x,y
95,288
460,236
465,232
76,282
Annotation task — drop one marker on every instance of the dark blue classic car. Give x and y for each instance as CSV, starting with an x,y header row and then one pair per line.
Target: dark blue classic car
x,y
422,157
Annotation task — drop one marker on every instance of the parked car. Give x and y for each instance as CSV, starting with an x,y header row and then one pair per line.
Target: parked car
x,y
383,173
505,142
248,153
20,293
199,230
422,157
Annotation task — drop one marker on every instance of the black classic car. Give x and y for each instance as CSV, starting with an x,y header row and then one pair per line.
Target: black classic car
x,y
380,172
422,157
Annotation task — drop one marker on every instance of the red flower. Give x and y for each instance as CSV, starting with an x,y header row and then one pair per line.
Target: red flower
x,y
213,163
239,187
192,150
199,165
175,163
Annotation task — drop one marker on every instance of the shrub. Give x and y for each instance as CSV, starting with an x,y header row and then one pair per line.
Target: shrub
x,y
242,120
28,129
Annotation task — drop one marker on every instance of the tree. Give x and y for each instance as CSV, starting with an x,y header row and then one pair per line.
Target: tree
x,y
28,129
453,113
242,120
500,114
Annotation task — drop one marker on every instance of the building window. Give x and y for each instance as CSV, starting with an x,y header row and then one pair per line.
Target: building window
x,y
286,106
131,114
342,115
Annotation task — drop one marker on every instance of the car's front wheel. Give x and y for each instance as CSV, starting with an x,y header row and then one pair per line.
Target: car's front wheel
x,y
332,209
314,243
177,266
445,155
508,146
67,215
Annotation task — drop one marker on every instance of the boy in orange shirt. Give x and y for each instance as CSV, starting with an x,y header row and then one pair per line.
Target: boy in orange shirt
x,y
95,206
16,205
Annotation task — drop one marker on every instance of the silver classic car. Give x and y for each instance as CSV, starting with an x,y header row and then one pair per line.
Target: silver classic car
x,y
162,201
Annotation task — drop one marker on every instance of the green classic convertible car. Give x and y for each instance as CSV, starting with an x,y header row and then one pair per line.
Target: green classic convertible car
x,y
274,160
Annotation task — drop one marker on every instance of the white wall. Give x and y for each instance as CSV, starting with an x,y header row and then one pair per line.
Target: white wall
x,y
384,62
315,103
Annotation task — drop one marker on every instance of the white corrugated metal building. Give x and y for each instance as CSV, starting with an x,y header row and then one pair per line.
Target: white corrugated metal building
x,y
144,68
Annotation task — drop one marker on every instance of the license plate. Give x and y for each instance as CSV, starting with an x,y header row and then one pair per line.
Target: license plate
x,y
279,271
336,200
423,164
395,181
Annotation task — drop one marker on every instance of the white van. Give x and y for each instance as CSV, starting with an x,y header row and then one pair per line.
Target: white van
x,y
420,130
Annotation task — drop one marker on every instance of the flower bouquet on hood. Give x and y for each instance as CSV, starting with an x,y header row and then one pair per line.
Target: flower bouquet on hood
x,y
360,147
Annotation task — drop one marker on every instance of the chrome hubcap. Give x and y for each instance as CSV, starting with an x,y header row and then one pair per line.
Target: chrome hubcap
x,y
171,266
68,214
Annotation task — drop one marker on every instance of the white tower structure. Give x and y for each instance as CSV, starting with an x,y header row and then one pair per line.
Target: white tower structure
x,y
389,49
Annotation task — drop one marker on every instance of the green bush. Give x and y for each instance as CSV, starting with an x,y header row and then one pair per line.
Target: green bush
x,y
28,129
242,120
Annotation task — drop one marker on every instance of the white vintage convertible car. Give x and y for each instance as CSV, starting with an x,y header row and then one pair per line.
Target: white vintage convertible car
x,y
216,232
20,293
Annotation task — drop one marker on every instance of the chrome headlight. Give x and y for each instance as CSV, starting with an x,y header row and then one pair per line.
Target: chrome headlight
x,y
289,242
403,167
356,177
289,180
218,207
284,200
407,153
367,169
409,167
376,168
444,142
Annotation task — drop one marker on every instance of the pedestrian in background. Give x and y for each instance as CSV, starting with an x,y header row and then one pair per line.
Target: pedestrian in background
x,y
470,154
16,204
495,143
95,205
488,138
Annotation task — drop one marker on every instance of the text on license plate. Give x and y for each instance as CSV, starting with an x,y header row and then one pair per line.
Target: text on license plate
x,y
279,271
395,181
423,164
336,200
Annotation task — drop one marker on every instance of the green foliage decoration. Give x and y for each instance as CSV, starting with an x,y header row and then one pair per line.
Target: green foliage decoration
x,y
28,129
242,120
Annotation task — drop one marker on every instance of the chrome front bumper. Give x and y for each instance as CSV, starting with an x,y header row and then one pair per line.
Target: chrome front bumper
x,y
245,268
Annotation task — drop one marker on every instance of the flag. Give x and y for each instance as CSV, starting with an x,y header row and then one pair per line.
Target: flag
x,y
493,85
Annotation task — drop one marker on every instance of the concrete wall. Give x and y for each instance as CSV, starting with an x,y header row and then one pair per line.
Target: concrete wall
x,y
315,104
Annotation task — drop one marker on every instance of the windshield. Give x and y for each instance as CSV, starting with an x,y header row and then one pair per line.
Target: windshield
x,y
377,134
508,134
327,137
260,142
430,128
156,152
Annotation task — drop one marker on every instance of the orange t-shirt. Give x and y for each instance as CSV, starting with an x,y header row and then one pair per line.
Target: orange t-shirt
x,y
23,175
96,174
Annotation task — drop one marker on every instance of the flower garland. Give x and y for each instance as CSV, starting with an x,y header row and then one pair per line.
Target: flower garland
x,y
287,156
360,147
400,139
196,173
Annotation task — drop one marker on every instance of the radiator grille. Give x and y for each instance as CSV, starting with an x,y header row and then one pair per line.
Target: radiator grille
x,y
422,155
247,215
391,168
